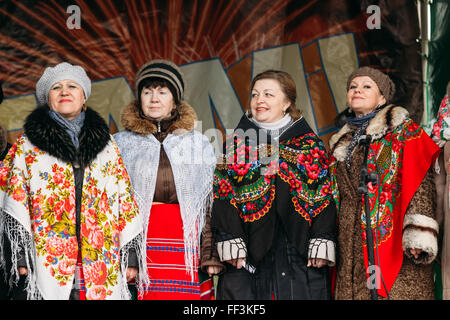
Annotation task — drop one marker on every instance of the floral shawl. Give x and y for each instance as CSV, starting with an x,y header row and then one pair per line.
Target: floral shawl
x,y
441,128
393,156
37,201
262,182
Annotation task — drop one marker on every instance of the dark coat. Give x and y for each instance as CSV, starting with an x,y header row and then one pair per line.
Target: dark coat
x,y
274,214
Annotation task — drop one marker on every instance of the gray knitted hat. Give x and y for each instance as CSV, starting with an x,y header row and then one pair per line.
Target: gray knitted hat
x,y
62,71
384,83
163,69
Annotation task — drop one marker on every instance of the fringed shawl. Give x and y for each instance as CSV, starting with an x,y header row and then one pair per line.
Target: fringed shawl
x,y
37,201
192,160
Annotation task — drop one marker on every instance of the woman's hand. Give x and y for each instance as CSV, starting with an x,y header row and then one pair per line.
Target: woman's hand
x,y
131,273
415,252
23,271
212,270
317,263
237,263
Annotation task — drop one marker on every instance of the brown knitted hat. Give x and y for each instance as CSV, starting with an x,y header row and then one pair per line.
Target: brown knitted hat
x,y
384,83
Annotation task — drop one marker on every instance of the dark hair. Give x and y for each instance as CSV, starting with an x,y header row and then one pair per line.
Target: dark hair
x,y
287,85
155,83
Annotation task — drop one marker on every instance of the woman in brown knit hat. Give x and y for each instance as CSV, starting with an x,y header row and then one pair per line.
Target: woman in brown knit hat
x,y
401,240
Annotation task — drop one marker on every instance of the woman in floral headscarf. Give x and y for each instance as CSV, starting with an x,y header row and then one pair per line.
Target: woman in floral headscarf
x,y
67,207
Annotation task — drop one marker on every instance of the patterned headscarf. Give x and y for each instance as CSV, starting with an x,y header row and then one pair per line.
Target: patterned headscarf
x,y
441,129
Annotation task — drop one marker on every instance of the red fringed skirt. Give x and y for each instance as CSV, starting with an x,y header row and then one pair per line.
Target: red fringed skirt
x,y
168,277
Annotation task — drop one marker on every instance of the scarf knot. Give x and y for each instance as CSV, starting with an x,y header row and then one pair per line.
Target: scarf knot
x,y
72,127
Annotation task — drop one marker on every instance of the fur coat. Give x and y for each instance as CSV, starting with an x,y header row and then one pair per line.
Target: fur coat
x,y
38,208
402,208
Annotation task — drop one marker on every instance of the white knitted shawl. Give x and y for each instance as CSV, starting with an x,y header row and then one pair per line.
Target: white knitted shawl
x,y
193,161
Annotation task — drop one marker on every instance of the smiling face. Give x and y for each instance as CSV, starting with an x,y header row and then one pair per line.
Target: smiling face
x,y
364,96
67,98
268,102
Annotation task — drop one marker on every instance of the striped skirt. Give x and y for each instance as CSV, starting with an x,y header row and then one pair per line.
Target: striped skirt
x,y
166,267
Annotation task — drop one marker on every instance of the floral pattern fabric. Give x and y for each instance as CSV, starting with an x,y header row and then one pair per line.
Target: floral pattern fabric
x,y
393,160
441,129
38,191
301,162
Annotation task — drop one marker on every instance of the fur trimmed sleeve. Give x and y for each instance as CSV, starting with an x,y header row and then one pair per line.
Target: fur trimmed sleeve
x,y
420,229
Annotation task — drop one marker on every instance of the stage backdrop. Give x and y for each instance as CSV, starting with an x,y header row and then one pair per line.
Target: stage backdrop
x,y
219,44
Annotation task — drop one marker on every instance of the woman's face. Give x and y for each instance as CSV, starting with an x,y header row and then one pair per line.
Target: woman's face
x,y
157,103
364,96
268,102
67,98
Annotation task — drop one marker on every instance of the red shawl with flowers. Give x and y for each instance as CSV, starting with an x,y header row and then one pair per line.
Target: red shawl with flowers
x,y
402,158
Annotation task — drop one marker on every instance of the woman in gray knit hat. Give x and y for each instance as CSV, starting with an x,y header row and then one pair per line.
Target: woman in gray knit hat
x,y
381,160
68,210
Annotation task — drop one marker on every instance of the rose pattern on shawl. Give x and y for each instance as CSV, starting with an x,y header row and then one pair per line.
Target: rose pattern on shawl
x,y
52,215
224,188
55,246
12,181
301,162
99,234
67,267
385,159
96,293
96,273
442,125
304,166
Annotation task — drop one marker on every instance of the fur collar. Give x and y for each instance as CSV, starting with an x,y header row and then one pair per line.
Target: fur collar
x,y
387,119
133,122
47,135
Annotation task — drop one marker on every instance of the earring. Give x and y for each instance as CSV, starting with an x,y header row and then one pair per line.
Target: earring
x,y
84,107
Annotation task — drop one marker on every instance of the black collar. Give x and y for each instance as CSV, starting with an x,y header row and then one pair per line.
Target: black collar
x,y
47,135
